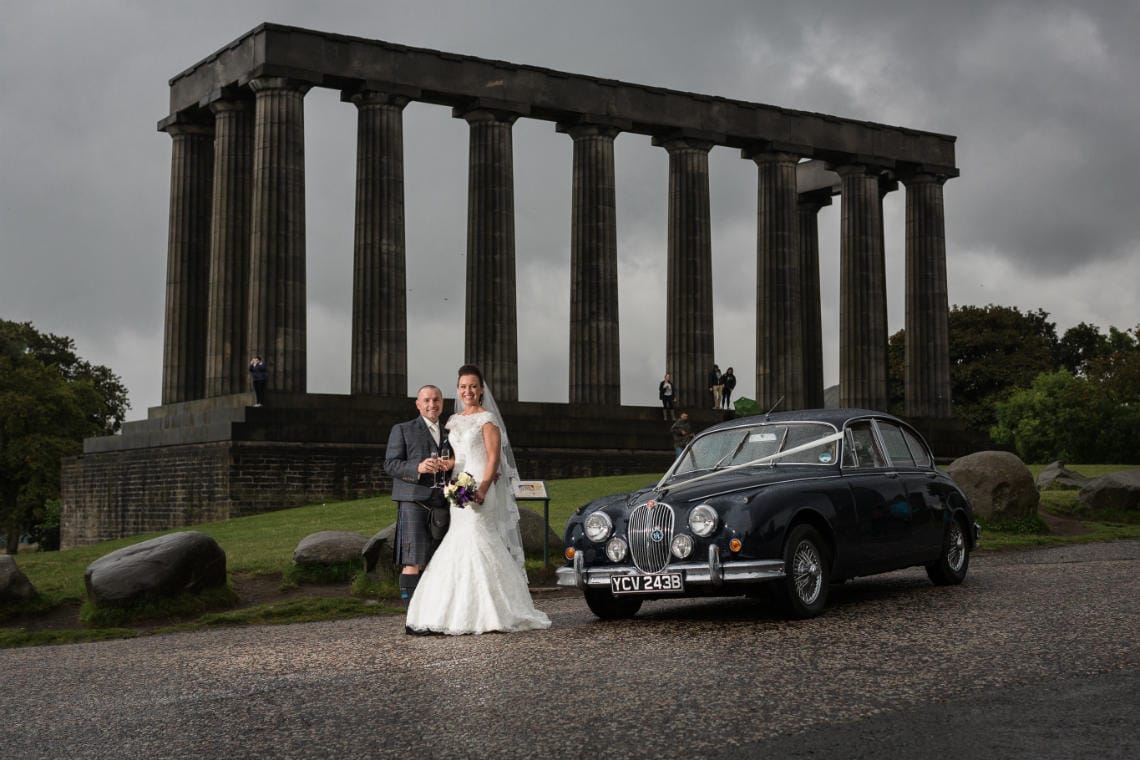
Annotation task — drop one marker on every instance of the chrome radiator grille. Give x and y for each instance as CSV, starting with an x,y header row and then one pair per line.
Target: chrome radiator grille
x,y
650,534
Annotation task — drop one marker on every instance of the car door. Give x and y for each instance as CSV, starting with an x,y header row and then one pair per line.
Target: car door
x,y
911,460
877,491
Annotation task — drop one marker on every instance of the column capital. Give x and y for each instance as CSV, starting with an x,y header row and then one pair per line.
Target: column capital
x,y
579,130
230,105
684,144
195,122
490,110
769,155
267,84
367,98
815,199
922,178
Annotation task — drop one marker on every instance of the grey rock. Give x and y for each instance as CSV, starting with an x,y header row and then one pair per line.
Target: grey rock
x,y
1055,477
379,551
531,526
997,483
14,585
329,547
1115,491
166,566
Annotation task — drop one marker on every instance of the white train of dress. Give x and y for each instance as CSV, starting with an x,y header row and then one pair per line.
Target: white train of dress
x,y
473,584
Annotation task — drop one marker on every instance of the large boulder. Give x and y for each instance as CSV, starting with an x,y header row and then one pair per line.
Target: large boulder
x,y
997,483
1115,491
532,527
379,552
1056,477
162,567
329,547
14,585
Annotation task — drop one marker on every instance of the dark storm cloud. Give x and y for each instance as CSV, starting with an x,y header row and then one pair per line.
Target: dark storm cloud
x,y
1040,95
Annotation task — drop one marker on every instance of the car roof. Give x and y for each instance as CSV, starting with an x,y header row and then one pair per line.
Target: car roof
x,y
835,417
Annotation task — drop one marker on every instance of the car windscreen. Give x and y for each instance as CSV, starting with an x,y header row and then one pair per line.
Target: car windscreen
x,y
773,443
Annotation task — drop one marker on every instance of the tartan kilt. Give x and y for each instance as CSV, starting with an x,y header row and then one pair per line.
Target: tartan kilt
x,y
414,544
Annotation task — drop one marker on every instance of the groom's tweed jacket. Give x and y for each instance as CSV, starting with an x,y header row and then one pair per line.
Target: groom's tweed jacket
x,y
409,443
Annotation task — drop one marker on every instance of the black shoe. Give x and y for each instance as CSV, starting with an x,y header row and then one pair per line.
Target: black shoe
x,y
413,632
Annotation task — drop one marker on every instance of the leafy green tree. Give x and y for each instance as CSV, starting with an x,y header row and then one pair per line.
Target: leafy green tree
x,y
1074,419
50,400
1080,345
993,351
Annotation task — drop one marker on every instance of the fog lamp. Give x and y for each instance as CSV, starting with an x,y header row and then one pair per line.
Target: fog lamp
x,y
616,549
569,552
735,544
682,545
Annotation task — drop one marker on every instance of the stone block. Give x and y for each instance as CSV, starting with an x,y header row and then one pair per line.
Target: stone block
x,y
997,483
14,585
162,567
329,547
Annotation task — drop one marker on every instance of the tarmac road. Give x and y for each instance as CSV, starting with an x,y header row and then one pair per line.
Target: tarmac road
x,y
1037,655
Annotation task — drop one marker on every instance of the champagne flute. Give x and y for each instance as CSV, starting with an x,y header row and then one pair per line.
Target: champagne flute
x,y
433,458
444,460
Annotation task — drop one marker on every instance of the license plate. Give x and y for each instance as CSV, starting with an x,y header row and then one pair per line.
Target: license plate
x,y
667,583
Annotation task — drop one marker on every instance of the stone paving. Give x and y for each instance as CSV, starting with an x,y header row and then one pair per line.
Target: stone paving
x,y
683,679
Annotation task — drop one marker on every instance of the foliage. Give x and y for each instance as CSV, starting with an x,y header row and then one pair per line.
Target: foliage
x,y
1073,419
50,400
994,350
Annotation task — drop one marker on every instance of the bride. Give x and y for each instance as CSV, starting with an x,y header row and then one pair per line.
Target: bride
x,y
476,580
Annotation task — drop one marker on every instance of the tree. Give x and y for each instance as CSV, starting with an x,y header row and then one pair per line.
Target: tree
x,y
1079,346
50,400
1074,419
994,350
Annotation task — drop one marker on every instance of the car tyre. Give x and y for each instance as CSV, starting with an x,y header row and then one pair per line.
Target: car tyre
x,y
609,607
807,567
951,566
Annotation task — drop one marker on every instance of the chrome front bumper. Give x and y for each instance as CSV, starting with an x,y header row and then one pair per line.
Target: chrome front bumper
x,y
711,573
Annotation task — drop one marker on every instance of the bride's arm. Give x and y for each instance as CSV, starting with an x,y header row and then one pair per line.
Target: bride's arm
x,y
492,441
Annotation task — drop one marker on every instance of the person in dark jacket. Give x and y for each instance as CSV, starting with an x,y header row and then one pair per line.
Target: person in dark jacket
x,y
727,384
715,386
259,376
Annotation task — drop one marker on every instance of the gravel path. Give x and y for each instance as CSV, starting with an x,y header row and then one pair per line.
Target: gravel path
x,y
1028,632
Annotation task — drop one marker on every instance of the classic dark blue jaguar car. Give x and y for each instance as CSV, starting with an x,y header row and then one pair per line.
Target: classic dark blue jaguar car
x,y
788,502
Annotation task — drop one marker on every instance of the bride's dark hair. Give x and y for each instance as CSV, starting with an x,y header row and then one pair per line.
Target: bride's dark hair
x,y
471,369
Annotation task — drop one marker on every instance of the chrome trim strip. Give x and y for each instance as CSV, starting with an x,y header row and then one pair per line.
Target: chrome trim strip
x,y
695,573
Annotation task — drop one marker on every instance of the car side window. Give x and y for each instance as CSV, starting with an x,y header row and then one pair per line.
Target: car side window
x,y
859,448
917,449
897,449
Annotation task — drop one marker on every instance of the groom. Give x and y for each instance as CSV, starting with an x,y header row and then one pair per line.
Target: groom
x,y
412,469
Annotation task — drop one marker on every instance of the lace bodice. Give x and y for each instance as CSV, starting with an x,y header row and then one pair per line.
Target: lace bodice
x,y
465,433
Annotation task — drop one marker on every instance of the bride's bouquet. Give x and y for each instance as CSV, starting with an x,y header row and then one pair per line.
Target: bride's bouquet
x,y
460,491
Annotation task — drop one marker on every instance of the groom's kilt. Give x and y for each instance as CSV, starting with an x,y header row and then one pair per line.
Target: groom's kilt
x,y
414,544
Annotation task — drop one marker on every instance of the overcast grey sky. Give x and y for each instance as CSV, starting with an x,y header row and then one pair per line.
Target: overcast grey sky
x,y
1041,95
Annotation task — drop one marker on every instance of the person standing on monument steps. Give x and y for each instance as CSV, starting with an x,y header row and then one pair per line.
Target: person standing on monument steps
x,y
413,461
259,376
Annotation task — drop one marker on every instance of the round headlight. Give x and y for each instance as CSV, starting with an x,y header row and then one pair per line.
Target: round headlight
x,y
703,520
598,527
616,549
682,545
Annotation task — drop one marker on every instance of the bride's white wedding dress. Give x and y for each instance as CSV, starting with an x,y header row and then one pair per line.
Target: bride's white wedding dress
x,y
473,584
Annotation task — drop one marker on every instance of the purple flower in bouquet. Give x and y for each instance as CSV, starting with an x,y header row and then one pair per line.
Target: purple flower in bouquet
x,y
460,491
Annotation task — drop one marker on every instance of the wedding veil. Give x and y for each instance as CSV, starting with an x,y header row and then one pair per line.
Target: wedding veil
x,y
506,508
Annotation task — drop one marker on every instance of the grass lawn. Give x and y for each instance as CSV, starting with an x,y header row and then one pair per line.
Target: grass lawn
x,y
261,547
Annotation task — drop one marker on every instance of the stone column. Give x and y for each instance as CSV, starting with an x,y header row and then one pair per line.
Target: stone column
x,y
379,281
491,332
277,237
688,290
927,304
809,206
226,352
595,368
779,285
862,292
187,262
